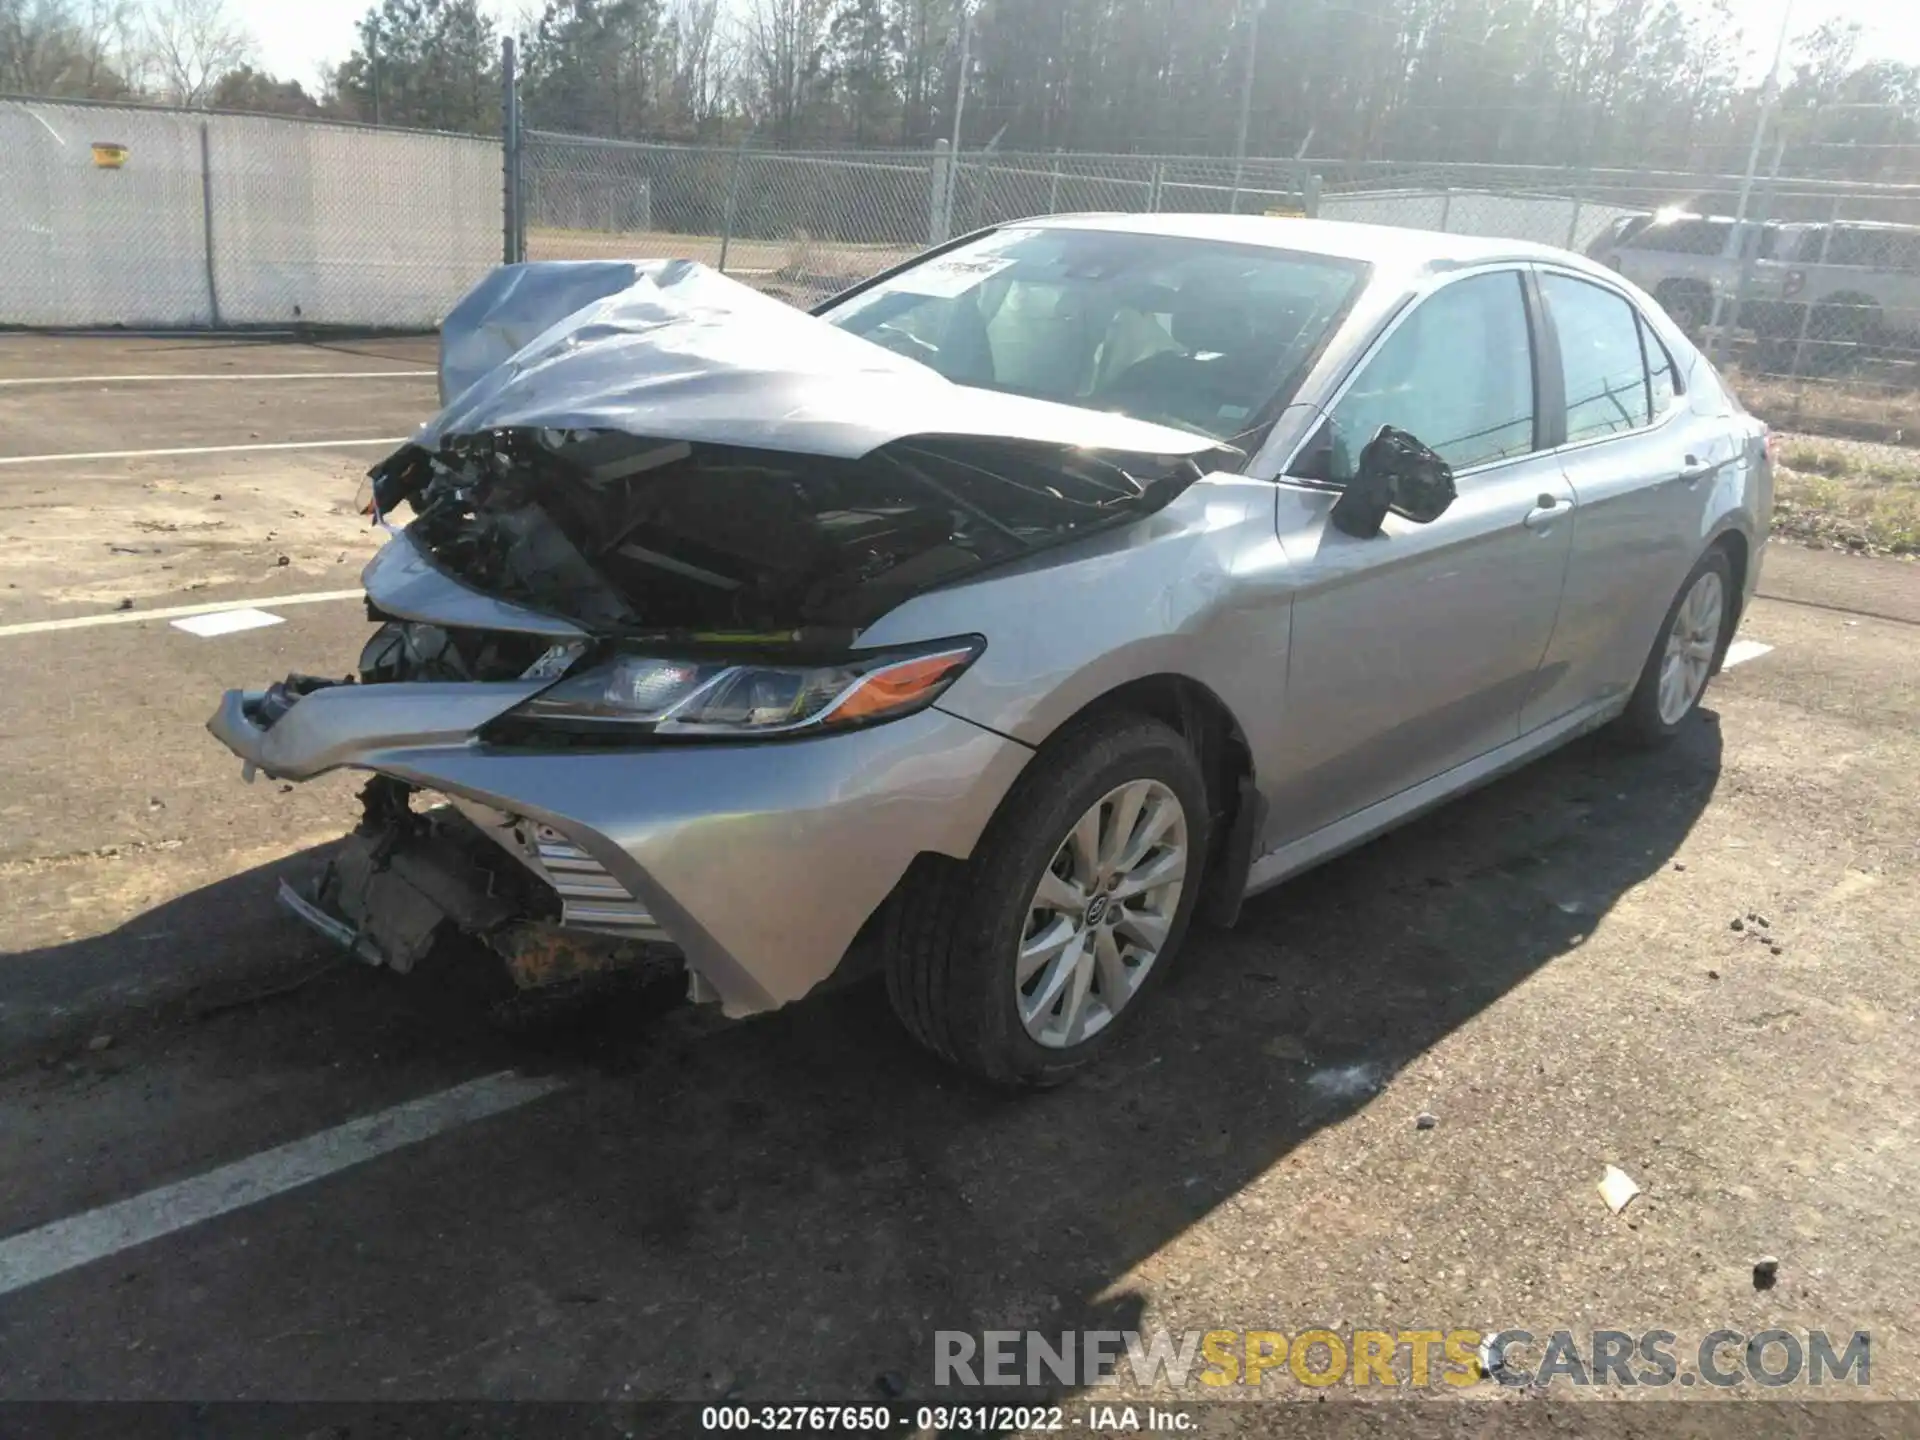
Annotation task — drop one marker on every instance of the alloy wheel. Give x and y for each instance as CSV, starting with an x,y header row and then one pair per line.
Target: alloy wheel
x,y
1100,915
1691,643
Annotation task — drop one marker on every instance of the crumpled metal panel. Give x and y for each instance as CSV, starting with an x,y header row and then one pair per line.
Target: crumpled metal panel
x,y
512,306
684,353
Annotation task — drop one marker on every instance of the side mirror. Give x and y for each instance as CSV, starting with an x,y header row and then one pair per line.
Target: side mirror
x,y
1397,473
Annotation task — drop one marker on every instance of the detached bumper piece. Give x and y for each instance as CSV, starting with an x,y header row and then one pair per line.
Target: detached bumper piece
x,y
403,880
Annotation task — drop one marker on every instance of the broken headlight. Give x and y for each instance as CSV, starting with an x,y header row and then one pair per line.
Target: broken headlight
x,y
722,698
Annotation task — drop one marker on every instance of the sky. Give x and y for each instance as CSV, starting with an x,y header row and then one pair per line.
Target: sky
x,y
301,39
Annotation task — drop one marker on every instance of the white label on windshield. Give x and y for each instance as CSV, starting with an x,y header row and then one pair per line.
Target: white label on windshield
x,y
948,276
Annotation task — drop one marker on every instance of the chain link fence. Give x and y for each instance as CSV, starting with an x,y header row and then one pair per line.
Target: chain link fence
x,y
138,216
1812,302
130,216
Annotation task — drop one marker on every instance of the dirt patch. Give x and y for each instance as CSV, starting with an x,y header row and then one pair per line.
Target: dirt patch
x,y
91,540
1848,495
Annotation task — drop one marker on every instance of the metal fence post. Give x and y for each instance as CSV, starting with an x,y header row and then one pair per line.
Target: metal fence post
x,y
1748,239
938,193
206,222
1806,308
1573,221
1053,190
1446,206
513,233
1159,180
733,199
1310,193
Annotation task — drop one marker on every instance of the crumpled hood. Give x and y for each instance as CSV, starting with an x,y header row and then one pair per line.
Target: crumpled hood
x,y
671,349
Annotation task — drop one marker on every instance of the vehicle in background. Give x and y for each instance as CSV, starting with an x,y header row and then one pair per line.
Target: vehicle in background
x,y
1683,260
1829,294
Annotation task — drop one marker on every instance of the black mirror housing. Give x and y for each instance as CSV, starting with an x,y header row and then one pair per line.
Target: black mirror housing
x,y
1398,473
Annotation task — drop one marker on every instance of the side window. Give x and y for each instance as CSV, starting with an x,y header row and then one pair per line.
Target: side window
x,y
1457,373
1663,382
1600,359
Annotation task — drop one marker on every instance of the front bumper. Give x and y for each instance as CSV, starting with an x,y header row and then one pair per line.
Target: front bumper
x,y
760,861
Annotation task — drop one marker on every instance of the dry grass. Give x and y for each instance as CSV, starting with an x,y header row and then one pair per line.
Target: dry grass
x,y
1852,407
1857,496
799,256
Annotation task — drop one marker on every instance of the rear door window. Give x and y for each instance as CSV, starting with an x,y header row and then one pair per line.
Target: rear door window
x,y
1601,363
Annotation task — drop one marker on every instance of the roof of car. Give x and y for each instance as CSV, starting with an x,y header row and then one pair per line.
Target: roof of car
x,y
1392,245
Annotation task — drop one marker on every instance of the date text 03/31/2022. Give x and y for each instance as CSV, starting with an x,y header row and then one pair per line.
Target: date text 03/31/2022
x,y
941,1418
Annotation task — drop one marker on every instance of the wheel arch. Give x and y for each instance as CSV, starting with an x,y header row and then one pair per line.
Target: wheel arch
x,y
1207,723
1733,542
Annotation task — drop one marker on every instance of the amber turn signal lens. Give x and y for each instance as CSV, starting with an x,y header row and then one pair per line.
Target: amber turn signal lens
x,y
899,686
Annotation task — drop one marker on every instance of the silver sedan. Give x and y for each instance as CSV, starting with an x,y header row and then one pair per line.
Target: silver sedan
x,y
1015,610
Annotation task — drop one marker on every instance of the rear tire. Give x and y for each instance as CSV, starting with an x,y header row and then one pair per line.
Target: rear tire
x,y
1688,303
972,948
1686,654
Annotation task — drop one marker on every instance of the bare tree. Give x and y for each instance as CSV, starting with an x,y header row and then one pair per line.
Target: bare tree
x,y
785,43
702,61
65,47
192,43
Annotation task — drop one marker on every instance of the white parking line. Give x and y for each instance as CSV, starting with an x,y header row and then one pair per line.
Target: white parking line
x,y
1741,651
170,612
64,1245
193,450
278,375
227,622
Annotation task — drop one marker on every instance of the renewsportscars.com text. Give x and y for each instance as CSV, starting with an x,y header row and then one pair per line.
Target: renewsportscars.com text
x,y
1211,1360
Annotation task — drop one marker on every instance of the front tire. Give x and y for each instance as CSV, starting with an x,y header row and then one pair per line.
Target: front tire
x,y
1685,655
1022,964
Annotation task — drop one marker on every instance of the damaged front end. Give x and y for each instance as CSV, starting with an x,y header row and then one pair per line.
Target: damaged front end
x,y
404,878
617,710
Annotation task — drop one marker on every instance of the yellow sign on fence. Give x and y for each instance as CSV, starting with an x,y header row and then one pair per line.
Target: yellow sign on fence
x,y
109,155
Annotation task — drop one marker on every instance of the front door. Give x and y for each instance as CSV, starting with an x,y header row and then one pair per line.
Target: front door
x,y
1414,650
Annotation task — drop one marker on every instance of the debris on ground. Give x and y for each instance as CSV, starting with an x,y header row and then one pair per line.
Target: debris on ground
x,y
1766,1270
1425,1120
1492,1358
125,604
99,1043
1286,1047
1617,1189
1713,974
1345,1082
1738,924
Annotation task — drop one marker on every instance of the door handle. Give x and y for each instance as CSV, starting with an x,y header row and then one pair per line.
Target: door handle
x,y
1546,509
1695,472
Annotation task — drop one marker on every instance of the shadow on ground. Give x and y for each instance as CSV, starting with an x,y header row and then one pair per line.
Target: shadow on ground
x,y
793,1206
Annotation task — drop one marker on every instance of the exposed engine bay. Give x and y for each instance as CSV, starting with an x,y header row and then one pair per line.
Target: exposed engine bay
x,y
637,538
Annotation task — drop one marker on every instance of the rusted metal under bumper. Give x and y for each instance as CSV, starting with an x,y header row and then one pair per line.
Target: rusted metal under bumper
x,y
390,892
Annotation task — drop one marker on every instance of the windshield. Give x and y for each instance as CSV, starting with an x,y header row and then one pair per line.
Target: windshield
x,y
1209,336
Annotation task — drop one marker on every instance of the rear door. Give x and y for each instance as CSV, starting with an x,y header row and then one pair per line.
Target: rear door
x,y
1414,650
1642,463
